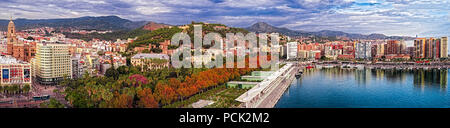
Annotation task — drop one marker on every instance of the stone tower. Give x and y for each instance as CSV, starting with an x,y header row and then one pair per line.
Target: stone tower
x,y
14,47
11,36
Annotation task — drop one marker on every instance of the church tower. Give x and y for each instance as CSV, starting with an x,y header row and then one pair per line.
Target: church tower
x,y
11,36
14,47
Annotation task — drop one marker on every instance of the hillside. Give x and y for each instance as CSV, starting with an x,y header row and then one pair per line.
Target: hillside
x,y
114,23
262,27
159,35
153,26
122,34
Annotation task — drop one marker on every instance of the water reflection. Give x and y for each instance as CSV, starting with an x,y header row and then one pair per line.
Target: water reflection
x,y
430,78
362,76
393,75
421,78
368,88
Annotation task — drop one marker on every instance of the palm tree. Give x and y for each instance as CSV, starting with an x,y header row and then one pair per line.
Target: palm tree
x,y
26,88
15,88
8,89
1,89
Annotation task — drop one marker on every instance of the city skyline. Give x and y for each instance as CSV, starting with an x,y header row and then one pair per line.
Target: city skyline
x,y
68,67
391,17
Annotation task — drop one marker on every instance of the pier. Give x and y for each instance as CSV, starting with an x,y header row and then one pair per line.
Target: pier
x,y
267,93
384,65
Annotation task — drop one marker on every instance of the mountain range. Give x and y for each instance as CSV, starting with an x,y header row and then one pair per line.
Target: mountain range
x,y
153,26
88,22
116,23
262,27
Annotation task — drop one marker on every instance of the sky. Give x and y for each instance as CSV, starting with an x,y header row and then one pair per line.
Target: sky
x,y
425,18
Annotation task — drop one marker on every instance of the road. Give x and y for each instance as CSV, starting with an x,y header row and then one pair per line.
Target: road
x,y
26,100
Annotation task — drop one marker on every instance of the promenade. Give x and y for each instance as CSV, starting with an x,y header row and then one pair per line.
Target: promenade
x,y
272,98
267,93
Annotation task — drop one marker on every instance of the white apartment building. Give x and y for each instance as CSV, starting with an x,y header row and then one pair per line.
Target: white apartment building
x,y
52,63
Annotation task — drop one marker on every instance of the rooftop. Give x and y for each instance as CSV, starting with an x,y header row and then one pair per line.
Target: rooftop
x,y
259,77
250,94
202,103
242,82
150,56
10,60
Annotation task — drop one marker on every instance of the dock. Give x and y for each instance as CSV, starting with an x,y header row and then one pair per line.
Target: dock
x,y
385,65
267,93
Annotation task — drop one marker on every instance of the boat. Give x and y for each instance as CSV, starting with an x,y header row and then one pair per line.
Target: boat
x,y
298,75
360,67
345,67
328,66
309,67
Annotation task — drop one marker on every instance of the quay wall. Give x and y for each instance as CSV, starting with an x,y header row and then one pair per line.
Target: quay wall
x,y
267,93
387,66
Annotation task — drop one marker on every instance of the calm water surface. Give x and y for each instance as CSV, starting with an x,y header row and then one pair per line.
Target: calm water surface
x,y
352,88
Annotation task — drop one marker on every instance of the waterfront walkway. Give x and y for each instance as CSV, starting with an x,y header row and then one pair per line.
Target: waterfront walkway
x,y
267,93
271,99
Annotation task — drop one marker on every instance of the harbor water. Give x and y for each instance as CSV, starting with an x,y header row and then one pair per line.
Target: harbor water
x,y
368,88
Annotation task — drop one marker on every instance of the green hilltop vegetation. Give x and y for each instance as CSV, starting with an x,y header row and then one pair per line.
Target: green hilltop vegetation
x,y
162,34
146,37
207,28
154,37
123,34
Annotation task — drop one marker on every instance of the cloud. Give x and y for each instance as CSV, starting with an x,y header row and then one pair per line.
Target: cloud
x,y
249,3
152,10
391,17
285,7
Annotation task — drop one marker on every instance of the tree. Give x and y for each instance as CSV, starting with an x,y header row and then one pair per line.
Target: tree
x,y
26,88
111,72
30,38
128,61
6,89
156,50
146,98
174,83
123,70
144,89
170,47
165,94
53,103
122,101
146,51
138,80
15,88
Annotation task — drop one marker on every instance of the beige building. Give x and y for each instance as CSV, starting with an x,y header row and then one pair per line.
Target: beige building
x,y
444,47
431,48
151,61
303,54
52,63
380,50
